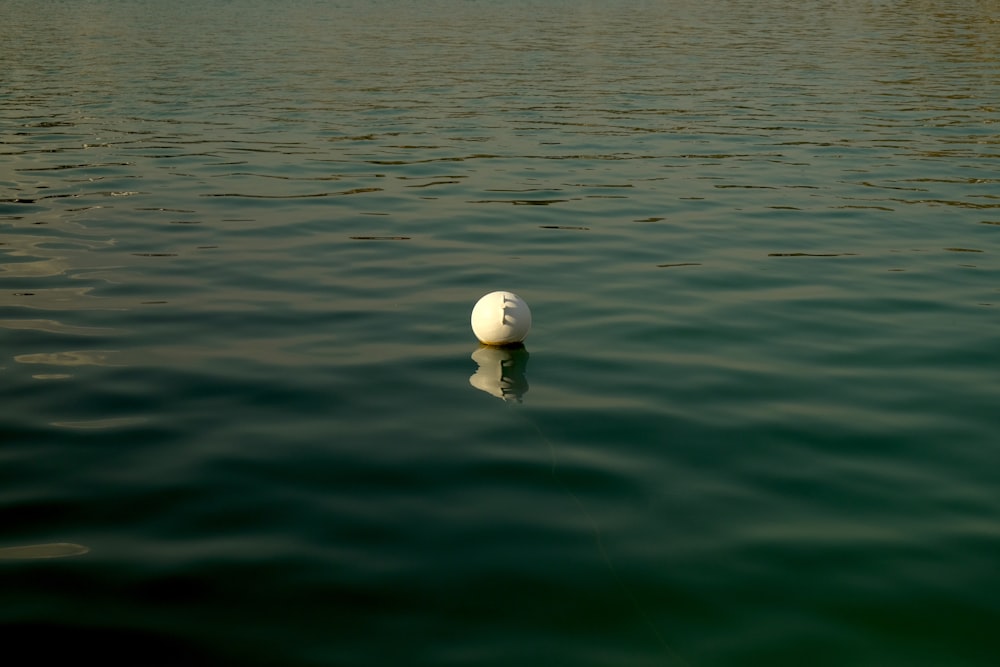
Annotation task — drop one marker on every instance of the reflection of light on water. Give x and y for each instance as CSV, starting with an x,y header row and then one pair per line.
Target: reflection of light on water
x,y
49,254
52,326
58,298
34,551
501,371
95,424
74,358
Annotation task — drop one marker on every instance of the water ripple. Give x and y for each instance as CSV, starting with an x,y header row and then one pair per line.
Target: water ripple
x,y
757,239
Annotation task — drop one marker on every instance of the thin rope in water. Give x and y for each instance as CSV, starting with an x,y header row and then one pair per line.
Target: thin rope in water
x,y
602,550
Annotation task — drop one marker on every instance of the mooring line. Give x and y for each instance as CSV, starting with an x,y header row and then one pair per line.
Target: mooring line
x,y
605,556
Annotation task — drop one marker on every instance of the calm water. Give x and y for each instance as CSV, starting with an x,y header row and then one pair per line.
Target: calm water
x,y
755,422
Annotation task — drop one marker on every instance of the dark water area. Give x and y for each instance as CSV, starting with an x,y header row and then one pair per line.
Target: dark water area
x,y
245,420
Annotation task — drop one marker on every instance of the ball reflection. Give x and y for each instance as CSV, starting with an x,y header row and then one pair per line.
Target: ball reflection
x,y
501,371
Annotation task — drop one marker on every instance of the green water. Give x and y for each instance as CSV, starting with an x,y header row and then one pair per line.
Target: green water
x,y
245,420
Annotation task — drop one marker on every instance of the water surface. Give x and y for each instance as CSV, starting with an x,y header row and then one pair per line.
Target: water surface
x,y
754,423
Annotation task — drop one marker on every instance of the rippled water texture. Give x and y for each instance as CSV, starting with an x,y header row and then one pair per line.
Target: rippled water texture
x,y
245,420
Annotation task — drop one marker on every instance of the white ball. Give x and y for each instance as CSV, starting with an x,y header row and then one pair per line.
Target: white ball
x,y
501,318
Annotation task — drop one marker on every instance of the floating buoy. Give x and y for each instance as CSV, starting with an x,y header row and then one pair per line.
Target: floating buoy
x,y
501,318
